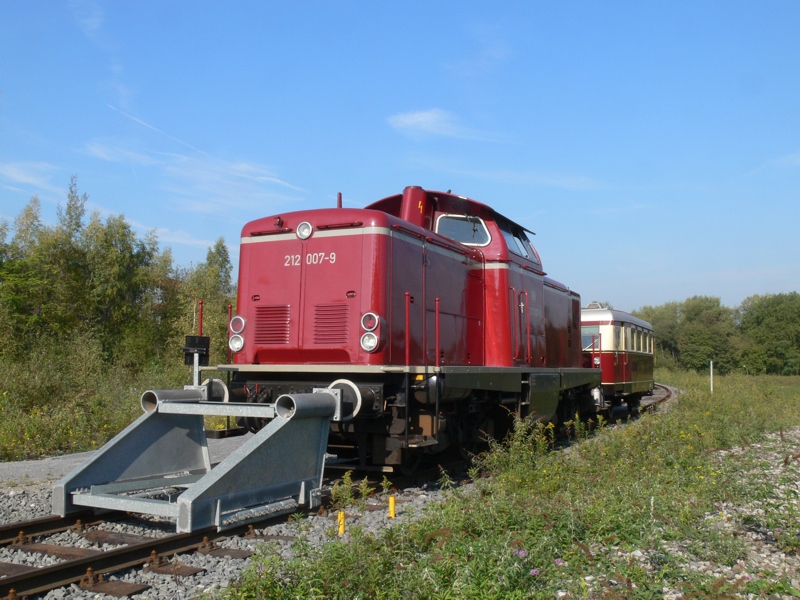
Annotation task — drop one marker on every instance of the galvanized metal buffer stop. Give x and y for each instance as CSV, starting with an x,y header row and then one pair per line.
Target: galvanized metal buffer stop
x,y
159,465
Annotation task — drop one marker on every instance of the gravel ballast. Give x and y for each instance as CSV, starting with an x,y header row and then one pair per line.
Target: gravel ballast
x,y
26,494
766,463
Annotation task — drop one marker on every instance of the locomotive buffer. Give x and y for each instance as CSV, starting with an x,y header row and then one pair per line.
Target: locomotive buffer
x,y
159,465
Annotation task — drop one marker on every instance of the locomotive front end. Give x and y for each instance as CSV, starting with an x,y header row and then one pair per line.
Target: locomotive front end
x,y
309,291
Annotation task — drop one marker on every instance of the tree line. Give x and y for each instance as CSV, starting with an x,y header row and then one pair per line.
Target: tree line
x,y
91,315
760,336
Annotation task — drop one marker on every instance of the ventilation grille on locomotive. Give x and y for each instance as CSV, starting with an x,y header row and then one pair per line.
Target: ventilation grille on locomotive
x,y
272,324
330,323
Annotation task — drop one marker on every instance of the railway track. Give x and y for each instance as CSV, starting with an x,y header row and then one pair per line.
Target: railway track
x,y
87,566
660,397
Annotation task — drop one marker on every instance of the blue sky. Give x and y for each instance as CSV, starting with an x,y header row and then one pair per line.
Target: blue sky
x,y
654,147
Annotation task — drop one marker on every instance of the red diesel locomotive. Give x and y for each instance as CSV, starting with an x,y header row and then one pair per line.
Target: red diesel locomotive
x,y
623,347
429,312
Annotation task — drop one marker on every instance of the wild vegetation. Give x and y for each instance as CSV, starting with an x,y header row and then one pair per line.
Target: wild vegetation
x,y
91,315
762,335
619,515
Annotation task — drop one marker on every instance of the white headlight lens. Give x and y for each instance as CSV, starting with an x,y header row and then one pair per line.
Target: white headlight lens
x,y
304,230
237,324
369,321
369,342
236,343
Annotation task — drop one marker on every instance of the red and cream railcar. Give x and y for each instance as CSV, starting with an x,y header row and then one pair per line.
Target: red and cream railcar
x,y
622,347
430,312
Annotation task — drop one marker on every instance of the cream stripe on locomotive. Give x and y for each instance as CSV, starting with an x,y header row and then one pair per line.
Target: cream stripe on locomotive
x,y
282,237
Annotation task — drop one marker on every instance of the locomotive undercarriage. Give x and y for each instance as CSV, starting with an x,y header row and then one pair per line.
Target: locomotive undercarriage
x,y
386,423
394,420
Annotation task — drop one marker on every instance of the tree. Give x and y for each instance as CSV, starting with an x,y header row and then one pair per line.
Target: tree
x,y
665,320
706,333
98,278
691,333
770,326
210,282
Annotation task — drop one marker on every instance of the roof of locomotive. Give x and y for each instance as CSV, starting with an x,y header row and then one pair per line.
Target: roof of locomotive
x,y
388,206
603,315
391,205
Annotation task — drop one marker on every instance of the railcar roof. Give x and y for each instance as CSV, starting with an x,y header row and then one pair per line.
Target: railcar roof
x,y
607,315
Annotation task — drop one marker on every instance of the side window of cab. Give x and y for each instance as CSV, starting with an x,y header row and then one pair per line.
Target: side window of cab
x,y
518,242
466,229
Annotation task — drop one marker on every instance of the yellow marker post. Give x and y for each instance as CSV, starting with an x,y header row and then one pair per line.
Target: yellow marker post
x,y
391,507
340,517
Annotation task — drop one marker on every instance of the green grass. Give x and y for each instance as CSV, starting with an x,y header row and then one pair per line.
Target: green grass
x,y
627,507
65,399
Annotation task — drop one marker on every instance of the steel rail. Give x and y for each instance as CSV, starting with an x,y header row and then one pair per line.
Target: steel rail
x,y
46,525
65,573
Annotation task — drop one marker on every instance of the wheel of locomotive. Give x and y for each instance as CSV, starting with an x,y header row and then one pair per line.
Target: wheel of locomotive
x,y
469,450
412,458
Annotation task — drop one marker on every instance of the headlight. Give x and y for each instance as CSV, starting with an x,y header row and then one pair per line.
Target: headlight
x,y
370,321
596,361
237,324
369,342
304,230
236,343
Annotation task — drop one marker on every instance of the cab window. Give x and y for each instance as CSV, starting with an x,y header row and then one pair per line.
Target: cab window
x,y
517,242
469,230
590,338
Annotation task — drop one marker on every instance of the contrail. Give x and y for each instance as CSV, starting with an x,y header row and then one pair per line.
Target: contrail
x,y
174,139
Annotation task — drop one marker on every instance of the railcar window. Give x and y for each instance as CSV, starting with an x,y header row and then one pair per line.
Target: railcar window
x,y
617,338
470,231
590,338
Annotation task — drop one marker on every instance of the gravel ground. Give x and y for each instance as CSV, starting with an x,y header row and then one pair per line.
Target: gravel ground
x,y
27,490
774,463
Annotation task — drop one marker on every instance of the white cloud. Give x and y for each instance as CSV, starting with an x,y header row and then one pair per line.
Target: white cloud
x,y
787,160
790,160
116,154
533,177
490,50
211,185
436,121
34,174
169,236
88,15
